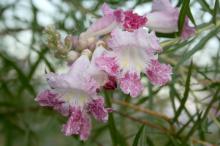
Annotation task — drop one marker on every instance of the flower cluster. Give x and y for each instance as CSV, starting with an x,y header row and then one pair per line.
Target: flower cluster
x,y
114,51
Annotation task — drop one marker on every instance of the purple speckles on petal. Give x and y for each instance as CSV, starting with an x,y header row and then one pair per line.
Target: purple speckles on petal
x,y
77,124
108,64
131,83
47,98
97,109
159,74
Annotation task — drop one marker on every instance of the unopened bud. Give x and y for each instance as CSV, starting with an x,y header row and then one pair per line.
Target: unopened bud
x,y
72,56
100,43
111,83
87,52
75,42
68,42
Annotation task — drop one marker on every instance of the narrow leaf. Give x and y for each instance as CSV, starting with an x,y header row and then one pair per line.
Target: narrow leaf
x,y
136,139
185,95
189,14
149,141
216,11
117,137
197,47
205,6
182,15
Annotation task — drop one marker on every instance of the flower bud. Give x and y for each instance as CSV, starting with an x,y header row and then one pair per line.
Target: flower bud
x,y
111,83
72,56
87,52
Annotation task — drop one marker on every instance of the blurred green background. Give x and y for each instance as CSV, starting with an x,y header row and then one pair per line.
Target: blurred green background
x,y
24,58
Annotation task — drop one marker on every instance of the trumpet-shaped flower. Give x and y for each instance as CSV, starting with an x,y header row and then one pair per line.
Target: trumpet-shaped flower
x,y
131,54
128,20
164,19
74,94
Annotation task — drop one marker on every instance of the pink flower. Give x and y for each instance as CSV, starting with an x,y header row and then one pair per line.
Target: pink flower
x,y
159,74
131,53
164,19
74,94
128,20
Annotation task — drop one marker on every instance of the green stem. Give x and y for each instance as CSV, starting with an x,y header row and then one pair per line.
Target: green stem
x,y
111,121
198,31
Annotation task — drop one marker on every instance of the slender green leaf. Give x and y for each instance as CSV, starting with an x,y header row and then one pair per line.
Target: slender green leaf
x,y
187,123
136,139
111,122
186,93
216,11
22,77
117,138
197,47
149,141
189,14
201,118
205,6
183,14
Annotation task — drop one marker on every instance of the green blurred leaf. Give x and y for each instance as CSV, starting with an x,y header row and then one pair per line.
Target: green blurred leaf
x,y
137,136
189,14
183,13
117,138
149,141
185,95
205,6
22,77
216,11
197,47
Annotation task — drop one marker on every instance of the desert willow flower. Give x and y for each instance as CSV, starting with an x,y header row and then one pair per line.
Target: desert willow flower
x,y
129,55
164,19
127,20
74,94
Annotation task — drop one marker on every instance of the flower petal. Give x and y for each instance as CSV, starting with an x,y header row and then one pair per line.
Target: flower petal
x,y
77,124
159,74
163,21
187,31
154,45
97,109
131,83
47,98
133,21
100,76
122,39
161,5
102,24
74,123
85,127
106,10
108,64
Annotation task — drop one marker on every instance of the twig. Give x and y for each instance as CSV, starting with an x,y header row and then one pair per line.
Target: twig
x,y
196,141
144,110
145,122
